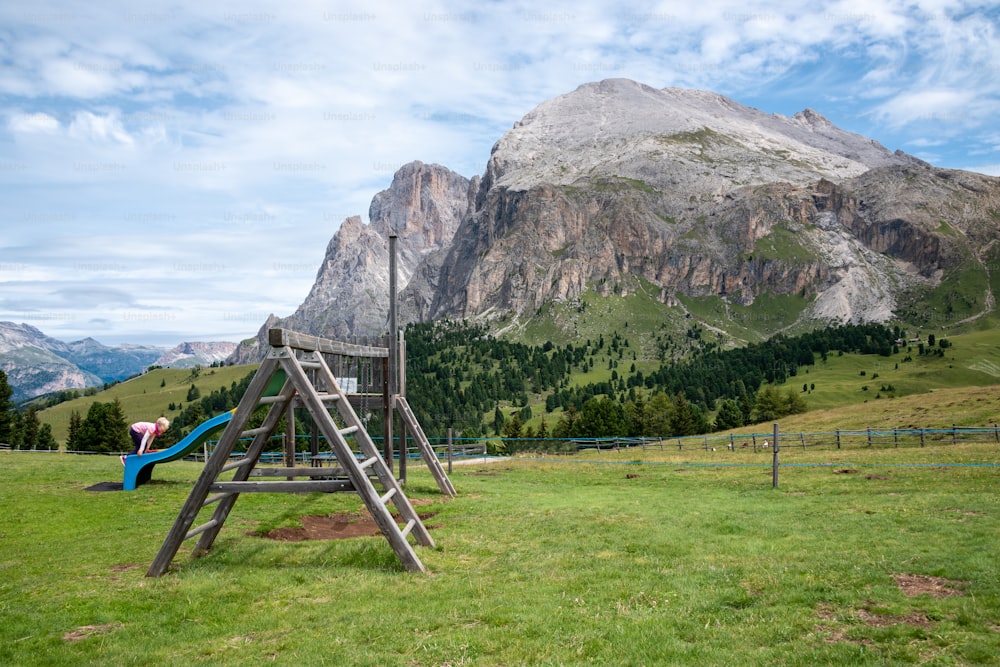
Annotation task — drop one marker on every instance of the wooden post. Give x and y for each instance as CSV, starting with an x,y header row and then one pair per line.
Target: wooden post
x,y
388,412
313,430
869,436
401,391
290,437
451,450
921,437
774,459
393,355
802,437
838,438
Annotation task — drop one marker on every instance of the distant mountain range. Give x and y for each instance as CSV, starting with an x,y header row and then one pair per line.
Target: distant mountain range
x,y
37,364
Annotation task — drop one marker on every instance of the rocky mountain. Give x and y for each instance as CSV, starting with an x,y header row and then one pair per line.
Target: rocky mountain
x,y
683,189
618,189
189,355
350,298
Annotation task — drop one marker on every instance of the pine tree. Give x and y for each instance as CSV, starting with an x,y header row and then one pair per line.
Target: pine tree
x,y
730,415
73,439
6,411
29,429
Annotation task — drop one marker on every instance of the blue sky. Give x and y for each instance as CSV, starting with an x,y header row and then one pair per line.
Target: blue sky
x,y
173,171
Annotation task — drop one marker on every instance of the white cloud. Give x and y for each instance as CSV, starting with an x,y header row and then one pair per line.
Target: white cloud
x,y
948,106
33,122
104,129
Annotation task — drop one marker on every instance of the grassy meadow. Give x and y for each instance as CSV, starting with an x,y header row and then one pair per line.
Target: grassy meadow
x,y
862,557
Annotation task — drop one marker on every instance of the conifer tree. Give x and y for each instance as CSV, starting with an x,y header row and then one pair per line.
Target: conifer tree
x,y
6,410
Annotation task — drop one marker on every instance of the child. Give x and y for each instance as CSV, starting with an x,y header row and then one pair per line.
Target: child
x,y
143,433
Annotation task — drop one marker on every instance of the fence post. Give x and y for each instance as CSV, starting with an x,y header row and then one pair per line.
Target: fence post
x,y
921,437
953,441
451,450
774,459
732,443
802,437
869,436
996,434
895,437
838,438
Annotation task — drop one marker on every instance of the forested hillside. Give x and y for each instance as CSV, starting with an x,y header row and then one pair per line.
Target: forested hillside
x,y
460,376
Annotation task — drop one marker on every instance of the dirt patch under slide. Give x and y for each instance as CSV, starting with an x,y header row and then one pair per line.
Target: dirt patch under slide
x,y
340,526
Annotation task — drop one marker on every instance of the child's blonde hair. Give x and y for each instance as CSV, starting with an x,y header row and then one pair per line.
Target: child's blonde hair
x,y
163,423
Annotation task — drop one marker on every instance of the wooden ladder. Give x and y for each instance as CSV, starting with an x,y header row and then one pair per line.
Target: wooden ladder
x,y
433,463
296,386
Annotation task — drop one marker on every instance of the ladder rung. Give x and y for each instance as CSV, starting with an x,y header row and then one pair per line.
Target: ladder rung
x,y
409,526
214,499
212,523
388,495
267,400
234,465
349,430
368,463
310,364
329,397
253,432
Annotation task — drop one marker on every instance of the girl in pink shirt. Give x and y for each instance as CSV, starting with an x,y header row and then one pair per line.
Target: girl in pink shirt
x,y
143,433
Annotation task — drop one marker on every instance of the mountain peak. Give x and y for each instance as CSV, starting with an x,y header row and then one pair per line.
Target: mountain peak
x,y
812,118
621,128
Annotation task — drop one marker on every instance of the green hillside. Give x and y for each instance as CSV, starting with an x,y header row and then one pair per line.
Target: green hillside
x,y
147,396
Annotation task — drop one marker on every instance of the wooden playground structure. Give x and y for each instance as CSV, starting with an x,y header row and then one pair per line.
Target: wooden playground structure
x,y
330,380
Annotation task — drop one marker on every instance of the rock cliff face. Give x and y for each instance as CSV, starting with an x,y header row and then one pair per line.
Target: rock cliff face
x,y
702,196
350,298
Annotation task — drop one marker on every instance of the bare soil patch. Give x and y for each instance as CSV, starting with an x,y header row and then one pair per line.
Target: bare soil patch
x,y
876,620
919,584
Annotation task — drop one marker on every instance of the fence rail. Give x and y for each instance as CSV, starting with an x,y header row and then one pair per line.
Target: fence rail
x,y
730,442
758,441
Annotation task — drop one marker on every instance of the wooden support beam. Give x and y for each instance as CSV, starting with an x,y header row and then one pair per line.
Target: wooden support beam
x,y
299,341
298,471
306,486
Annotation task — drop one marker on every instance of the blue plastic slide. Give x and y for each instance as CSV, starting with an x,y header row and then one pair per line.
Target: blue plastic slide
x,y
138,469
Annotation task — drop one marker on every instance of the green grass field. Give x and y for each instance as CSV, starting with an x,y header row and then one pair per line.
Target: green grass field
x,y
864,556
